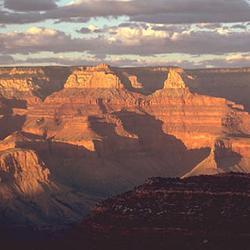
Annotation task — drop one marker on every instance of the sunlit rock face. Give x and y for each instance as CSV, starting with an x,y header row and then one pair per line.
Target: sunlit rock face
x,y
22,170
30,196
196,119
31,84
100,76
100,137
174,80
135,82
21,83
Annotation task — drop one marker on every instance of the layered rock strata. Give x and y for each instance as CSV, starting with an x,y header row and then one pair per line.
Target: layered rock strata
x,y
100,76
97,136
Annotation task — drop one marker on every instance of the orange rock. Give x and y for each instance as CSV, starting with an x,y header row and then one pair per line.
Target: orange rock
x,y
174,80
100,76
134,82
94,134
23,170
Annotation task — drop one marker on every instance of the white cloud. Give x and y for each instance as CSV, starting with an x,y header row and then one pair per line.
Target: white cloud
x,y
136,35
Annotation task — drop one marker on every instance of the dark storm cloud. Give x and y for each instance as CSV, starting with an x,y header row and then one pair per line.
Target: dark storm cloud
x,y
239,26
161,11
158,11
19,18
85,30
30,5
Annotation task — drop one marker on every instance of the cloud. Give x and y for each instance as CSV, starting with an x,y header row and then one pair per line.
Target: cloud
x,y
90,29
234,60
30,5
157,11
138,40
196,11
229,60
133,36
36,39
6,60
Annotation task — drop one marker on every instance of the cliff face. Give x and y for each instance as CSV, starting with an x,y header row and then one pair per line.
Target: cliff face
x,y
202,120
232,84
31,84
21,83
98,136
196,121
134,82
25,180
21,169
100,76
174,80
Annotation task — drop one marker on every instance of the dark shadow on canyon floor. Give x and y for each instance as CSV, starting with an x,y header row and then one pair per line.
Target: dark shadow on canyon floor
x,y
150,149
10,124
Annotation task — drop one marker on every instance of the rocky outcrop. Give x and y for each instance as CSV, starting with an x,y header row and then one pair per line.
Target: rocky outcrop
x,y
190,116
100,76
22,170
134,82
231,83
95,134
21,83
174,80
30,197
31,83
209,166
73,116
191,213
221,159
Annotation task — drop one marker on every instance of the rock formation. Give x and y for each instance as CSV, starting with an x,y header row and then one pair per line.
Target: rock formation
x,y
222,158
95,134
174,80
190,116
209,166
135,83
21,169
100,76
193,213
29,196
31,84
111,122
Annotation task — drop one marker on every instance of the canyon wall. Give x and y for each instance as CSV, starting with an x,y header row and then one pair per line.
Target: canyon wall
x,y
98,133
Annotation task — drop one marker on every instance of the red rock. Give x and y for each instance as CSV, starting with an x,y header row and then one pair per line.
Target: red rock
x,y
100,76
94,134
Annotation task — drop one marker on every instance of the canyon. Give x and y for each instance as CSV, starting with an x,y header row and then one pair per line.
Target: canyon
x,y
72,136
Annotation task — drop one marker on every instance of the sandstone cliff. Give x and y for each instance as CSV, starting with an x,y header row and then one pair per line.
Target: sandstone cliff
x,y
31,84
100,76
97,135
29,196
21,169
135,83
111,122
174,80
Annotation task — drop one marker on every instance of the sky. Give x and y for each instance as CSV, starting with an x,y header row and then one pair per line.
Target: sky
x,y
185,33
